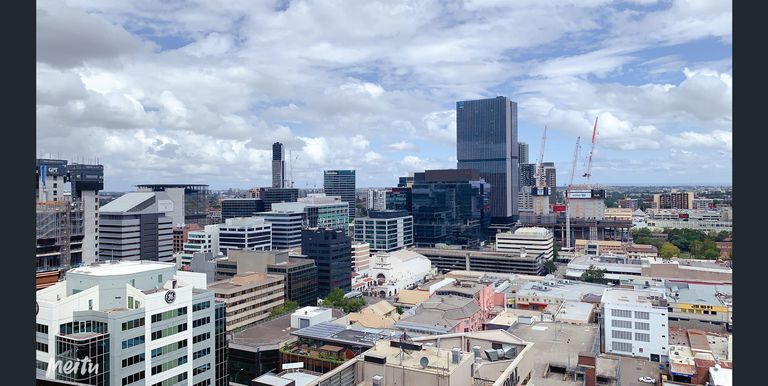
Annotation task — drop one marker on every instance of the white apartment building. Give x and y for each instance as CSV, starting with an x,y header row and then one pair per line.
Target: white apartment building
x,y
533,241
320,211
377,199
635,323
249,233
286,227
361,256
137,322
137,226
386,230
206,240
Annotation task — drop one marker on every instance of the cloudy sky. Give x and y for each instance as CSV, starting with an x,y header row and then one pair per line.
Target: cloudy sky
x,y
196,92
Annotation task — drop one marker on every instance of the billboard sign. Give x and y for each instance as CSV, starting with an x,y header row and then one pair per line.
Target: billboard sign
x,y
598,193
540,191
294,365
579,194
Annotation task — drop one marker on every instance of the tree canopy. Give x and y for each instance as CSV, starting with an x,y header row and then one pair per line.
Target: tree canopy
x,y
335,299
594,275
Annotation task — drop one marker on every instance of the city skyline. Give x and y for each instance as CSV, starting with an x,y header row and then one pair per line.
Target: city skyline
x,y
200,96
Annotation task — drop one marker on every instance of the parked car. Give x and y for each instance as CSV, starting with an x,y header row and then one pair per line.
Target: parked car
x,y
647,380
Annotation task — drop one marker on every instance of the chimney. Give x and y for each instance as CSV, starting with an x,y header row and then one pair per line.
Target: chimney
x,y
588,361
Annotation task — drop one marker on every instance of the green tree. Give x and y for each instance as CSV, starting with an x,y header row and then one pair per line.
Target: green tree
x,y
335,299
594,275
287,307
711,254
669,250
549,266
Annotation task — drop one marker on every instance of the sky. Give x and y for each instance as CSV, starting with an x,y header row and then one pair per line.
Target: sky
x,y
196,92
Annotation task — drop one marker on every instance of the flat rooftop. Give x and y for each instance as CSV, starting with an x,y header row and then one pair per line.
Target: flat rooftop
x,y
510,316
631,296
121,267
439,360
274,332
239,281
348,335
562,289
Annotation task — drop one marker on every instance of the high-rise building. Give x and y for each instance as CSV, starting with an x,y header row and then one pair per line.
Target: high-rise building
x,y
386,230
248,233
486,131
332,252
527,175
201,241
361,256
319,211
240,207
673,200
400,199
450,207
181,235
137,226
377,199
278,165
630,203
190,202
550,176
274,195
300,279
286,227
405,182
135,321
67,219
522,152
341,183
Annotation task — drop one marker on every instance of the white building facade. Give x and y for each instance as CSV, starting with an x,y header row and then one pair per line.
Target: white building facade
x,y
206,240
530,240
247,233
377,199
635,323
137,226
361,256
398,270
137,322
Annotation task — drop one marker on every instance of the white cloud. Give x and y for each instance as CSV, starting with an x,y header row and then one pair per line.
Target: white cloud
x,y
402,146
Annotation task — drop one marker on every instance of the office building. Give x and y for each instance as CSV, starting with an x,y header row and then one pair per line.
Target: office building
x,y
450,207
67,219
377,199
136,321
385,230
286,228
527,175
332,252
137,226
673,200
538,242
300,279
240,207
486,131
341,183
696,219
274,195
361,256
550,176
703,203
452,259
320,211
190,202
522,153
405,182
400,199
201,241
249,297
586,203
278,165
214,216
635,323
248,233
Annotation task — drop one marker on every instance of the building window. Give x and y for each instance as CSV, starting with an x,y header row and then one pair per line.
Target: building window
x,y
621,323
642,315
621,346
642,337
42,328
160,279
642,326
620,334
621,313
42,347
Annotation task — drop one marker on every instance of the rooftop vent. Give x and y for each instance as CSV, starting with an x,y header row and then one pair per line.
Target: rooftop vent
x,y
377,380
455,355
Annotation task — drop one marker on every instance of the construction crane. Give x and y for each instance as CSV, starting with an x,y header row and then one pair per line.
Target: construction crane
x,y
588,172
293,159
540,176
568,201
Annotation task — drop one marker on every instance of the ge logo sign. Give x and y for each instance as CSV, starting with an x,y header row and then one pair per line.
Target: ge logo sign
x,y
170,296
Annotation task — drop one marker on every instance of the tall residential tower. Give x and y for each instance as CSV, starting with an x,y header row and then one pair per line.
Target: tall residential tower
x,y
278,165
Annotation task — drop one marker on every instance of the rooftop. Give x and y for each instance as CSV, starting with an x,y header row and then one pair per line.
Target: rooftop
x,y
708,294
348,335
241,280
121,267
532,231
127,202
561,288
721,376
638,297
310,311
274,332
438,360
442,312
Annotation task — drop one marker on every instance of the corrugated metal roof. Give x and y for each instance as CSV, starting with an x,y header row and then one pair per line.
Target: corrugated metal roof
x,y
126,202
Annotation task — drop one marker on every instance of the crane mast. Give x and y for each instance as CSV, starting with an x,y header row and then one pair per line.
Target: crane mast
x,y
588,172
568,201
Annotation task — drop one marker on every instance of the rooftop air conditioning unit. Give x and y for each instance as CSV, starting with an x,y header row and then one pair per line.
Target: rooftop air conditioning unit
x,y
377,380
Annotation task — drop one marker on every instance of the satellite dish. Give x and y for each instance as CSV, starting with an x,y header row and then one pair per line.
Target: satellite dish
x,y
424,362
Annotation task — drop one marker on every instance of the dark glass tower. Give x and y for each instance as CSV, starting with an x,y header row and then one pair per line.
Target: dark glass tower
x,y
486,131
341,183
278,165
332,252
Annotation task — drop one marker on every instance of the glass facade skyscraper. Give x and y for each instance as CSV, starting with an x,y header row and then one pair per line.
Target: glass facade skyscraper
x,y
450,207
341,183
331,250
486,131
